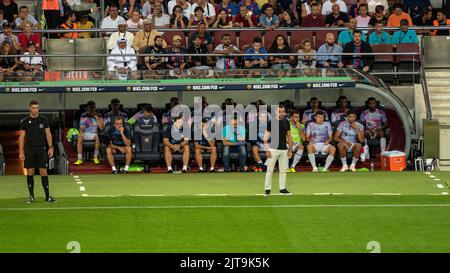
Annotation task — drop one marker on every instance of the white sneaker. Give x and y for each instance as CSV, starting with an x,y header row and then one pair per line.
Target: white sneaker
x,y
325,170
314,170
344,168
352,168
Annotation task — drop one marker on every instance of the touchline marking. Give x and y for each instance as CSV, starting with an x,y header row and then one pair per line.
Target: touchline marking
x,y
211,194
386,193
427,173
440,186
237,206
82,189
79,182
432,176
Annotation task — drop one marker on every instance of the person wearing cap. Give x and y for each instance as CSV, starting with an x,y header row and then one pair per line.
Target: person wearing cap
x,y
9,37
146,36
397,16
404,35
125,61
112,20
69,24
31,61
121,33
177,52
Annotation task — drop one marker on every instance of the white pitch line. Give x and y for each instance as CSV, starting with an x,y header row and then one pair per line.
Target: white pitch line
x,y
79,182
211,194
437,179
432,176
427,173
145,195
386,193
322,193
76,176
236,207
84,195
444,193
440,186
82,188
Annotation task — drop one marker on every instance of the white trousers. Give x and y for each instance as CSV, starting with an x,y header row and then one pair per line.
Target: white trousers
x,y
283,164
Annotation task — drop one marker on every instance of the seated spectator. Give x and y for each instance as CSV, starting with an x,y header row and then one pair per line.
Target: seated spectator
x,y
441,20
27,35
256,62
159,19
203,33
307,55
258,144
197,18
184,5
146,36
287,19
177,60
319,134
178,20
298,139
404,35
121,33
90,123
349,136
328,5
25,17
361,62
135,21
277,8
251,5
145,114
205,144
69,24
119,142
176,142
31,60
379,36
373,4
8,64
110,116
155,62
363,19
130,7
378,16
234,141
329,47
398,15
69,4
9,37
353,11
199,62
375,122
280,45
209,12
336,18
2,20
426,19
113,20
341,113
229,7
84,23
416,7
268,20
346,36
308,114
315,19
122,65
245,18
10,10
223,20
226,49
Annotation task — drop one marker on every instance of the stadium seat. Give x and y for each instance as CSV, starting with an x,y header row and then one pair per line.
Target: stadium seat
x,y
147,142
321,36
217,37
60,46
168,36
2,161
90,46
384,63
246,37
297,37
141,59
270,36
408,63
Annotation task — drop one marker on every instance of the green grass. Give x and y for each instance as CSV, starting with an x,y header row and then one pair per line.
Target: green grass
x,y
129,219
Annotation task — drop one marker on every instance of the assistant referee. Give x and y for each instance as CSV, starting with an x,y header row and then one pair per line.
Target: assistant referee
x,y
34,135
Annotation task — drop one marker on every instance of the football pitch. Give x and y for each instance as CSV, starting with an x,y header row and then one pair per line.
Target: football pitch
x,y
227,212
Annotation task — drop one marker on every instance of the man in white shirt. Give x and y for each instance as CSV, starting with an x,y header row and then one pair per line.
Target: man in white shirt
x,y
184,5
148,7
122,33
160,20
374,3
122,65
209,10
113,20
31,60
327,7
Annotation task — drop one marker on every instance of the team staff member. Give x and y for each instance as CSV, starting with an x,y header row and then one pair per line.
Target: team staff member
x,y
34,133
120,140
174,141
278,150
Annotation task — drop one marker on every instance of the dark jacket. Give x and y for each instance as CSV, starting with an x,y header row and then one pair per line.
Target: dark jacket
x,y
366,59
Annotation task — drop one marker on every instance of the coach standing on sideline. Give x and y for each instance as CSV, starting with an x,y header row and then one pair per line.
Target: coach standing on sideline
x,y
279,150
34,132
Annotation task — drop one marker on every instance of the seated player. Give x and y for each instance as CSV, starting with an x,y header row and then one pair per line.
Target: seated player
x,y
341,113
319,134
90,123
298,137
234,140
147,113
175,142
374,121
120,141
115,112
309,113
207,144
349,136
258,144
